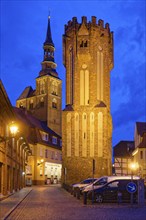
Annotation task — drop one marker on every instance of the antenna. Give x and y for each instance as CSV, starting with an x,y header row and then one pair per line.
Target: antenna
x,y
49,14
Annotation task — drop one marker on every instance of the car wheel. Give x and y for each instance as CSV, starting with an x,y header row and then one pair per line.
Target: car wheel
x,y
98,198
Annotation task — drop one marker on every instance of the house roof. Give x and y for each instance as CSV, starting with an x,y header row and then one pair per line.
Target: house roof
x,y
141,128
123,149
27,92
35,125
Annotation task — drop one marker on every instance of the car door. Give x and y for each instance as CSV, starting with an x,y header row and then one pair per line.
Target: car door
x,y
110,191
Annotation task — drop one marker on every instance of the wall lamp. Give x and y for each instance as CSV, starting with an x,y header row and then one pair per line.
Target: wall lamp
x,y
40,162
13,131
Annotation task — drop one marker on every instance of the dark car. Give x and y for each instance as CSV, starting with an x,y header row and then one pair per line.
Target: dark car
x,y
111,191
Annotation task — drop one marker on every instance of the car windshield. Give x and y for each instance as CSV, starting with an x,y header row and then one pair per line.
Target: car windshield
x,y
100,181
88,181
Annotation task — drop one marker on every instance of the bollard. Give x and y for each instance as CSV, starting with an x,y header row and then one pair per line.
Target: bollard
x,y
74,192
85,198
78,193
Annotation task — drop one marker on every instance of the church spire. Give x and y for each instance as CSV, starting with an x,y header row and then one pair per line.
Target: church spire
x,y
49,40
48,64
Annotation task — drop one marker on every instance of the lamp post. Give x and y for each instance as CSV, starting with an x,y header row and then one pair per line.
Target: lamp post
x,y
133,167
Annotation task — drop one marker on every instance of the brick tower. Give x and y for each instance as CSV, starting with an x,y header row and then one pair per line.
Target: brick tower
x,y
86,119
45,102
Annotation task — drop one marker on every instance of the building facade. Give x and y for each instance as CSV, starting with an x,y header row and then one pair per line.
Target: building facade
x,y
14,149
86,119
45,102
45,162
139,153
122,153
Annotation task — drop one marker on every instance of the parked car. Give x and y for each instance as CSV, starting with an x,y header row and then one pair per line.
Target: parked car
x,y
110,191
82,184
103,180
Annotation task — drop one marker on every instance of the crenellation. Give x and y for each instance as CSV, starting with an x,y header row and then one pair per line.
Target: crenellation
x,y
84,19
101,23
93,20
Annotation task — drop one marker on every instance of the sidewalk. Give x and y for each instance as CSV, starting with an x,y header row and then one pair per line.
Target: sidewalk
x,y
10,203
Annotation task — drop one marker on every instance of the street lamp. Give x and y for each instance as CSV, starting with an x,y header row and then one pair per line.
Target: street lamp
x,y
13,129
41,161
133,166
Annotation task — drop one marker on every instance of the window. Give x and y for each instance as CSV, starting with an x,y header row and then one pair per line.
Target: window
x,y
21,105
60,143
54,88
54,140
31,104
45,136
84,43
141,154
42,102
54,103
46,153
52,154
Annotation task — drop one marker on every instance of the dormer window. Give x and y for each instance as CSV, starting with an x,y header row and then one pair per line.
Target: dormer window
x,y
54,140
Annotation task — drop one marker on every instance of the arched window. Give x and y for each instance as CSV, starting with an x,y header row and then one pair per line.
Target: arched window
x,y
84,85
31,104
42,102
54,88
42,86
76,134
84,134
54,103
21,105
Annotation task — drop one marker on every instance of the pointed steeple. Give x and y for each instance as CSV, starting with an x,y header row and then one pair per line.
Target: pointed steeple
x,y
48,64
49,40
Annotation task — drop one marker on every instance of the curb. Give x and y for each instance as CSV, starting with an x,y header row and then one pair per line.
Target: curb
x,y
12,209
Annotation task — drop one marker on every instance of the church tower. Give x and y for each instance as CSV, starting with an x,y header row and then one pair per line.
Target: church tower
x,y
86,119
45,102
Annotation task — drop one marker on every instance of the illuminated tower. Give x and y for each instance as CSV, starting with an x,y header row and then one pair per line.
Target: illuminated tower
x,y
45,102
86,119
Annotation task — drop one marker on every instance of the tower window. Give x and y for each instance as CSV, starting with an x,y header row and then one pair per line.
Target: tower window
x,y
81,45
84,43
54,88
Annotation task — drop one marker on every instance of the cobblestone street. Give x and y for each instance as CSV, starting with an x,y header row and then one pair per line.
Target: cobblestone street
x,y
54,203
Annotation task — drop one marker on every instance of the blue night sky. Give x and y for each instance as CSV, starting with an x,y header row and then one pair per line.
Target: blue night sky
x,y
23,31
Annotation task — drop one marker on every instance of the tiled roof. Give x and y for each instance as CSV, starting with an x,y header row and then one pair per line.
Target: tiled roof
x,y
141,128
123,149
29,119
27,92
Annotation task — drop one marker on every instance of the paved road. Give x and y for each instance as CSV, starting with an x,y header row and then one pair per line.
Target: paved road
x,y
54,203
